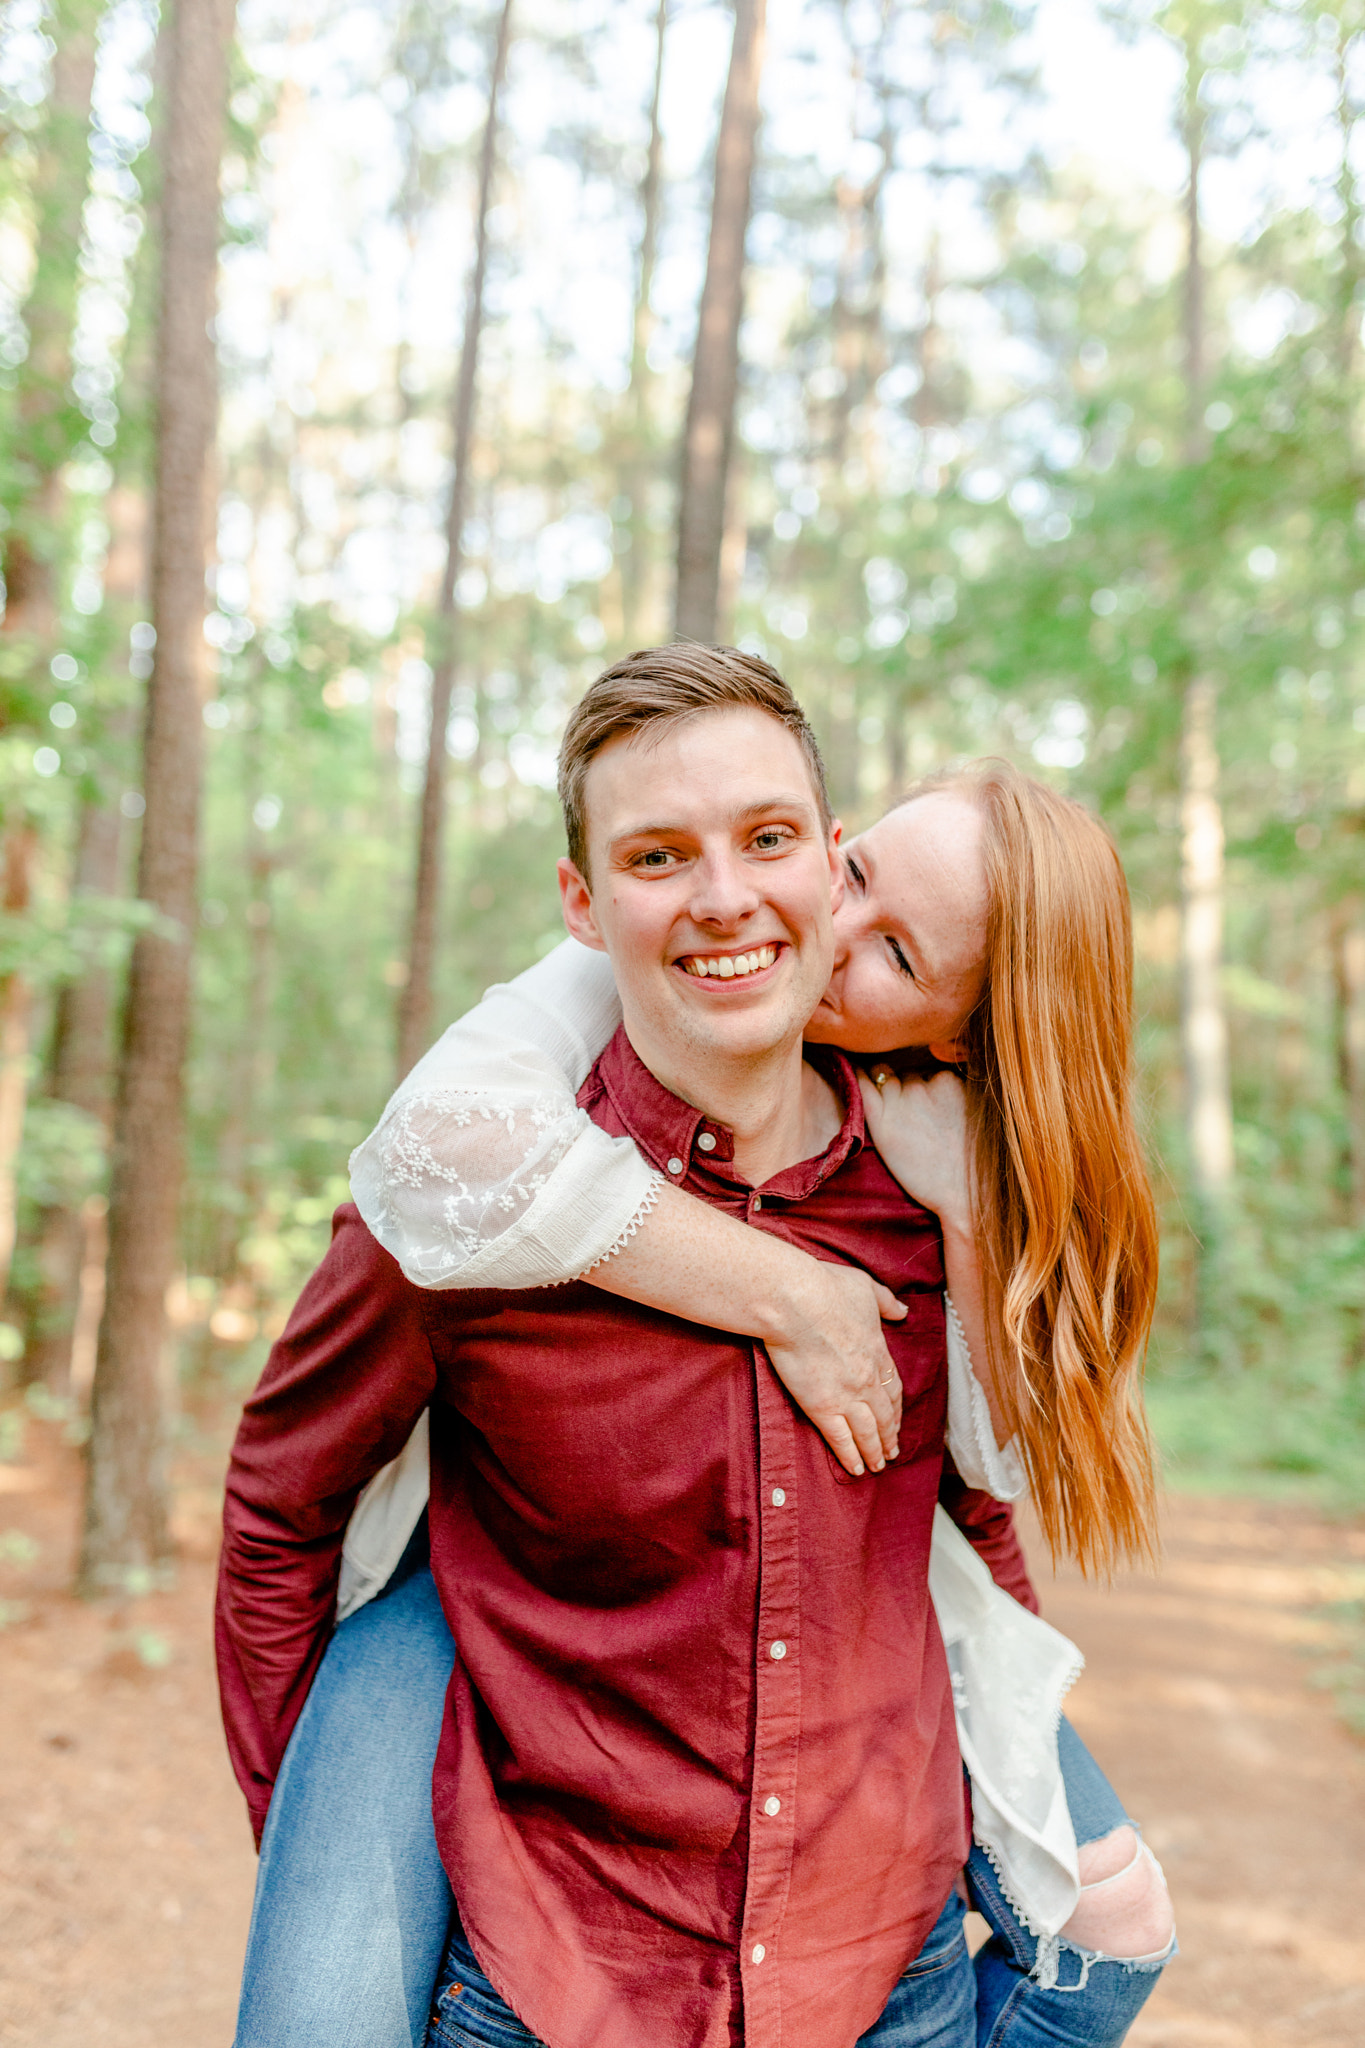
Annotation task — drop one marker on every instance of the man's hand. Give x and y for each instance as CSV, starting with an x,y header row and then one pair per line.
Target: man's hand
x,y
832,1358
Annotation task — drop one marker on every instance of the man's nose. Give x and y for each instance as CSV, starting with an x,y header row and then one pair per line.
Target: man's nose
x,y
723,891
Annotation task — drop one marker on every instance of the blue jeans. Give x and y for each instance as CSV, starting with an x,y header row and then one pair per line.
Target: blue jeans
x,y
352,1905
933,2005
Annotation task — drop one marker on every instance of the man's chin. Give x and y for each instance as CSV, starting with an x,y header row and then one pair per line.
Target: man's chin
x,y
745,1029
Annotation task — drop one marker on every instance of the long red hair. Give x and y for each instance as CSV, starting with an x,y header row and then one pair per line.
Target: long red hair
x,y
1065,1220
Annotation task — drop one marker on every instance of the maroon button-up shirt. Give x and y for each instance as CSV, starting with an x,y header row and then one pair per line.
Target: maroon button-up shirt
x,y
698,1780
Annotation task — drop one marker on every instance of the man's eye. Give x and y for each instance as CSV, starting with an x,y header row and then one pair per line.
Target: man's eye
x,y
655,857
770,838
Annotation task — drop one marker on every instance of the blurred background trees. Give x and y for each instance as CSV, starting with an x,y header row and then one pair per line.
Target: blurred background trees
x,y
1017,427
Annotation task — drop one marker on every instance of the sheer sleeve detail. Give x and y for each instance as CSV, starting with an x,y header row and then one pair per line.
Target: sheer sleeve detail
x,y
971,1433
483,1171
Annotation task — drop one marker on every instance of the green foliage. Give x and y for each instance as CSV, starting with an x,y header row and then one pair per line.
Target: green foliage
x,y
980,515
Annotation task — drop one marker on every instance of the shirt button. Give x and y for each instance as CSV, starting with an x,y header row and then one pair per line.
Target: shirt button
x,y
675,1166
779,1497
772,1806
777,1651
759,1951
706,1143
757,1202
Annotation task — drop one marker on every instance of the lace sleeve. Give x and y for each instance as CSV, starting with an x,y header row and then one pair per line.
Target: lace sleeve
x,y
971,1433
483,1171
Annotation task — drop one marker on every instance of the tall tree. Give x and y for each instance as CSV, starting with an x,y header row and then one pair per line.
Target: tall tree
x,y
126,1504
49,422
639,465
1203,1013
47,426
709,429
81,1059
415,997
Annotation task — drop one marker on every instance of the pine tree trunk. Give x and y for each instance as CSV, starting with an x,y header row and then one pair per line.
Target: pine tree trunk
x,y
46,429
126,1523
416,996
1203,1020
1203,1014
708,434
82,1058
635,573
48,422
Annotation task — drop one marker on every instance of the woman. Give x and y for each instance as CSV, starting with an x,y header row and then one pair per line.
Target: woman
x,y
985,919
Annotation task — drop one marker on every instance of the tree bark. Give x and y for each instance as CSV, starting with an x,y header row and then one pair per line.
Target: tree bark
x,y
415,997
47,427
48,423
1203,1019
126,1526
708,435
82,1058
635,575
1203,1014
81,1061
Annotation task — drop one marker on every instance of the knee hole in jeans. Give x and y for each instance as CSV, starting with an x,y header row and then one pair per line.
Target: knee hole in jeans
x,y
1125,1909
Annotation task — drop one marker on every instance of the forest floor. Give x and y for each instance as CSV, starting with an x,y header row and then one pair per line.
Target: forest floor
x,y
126,1865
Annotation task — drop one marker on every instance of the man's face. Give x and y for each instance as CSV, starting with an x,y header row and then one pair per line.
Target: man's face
x,y
712,881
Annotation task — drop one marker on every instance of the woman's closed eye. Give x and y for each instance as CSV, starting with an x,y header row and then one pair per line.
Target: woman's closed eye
x,y
859,881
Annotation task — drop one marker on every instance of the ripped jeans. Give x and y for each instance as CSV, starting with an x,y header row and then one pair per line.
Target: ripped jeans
x,y
352,1905
1095,1998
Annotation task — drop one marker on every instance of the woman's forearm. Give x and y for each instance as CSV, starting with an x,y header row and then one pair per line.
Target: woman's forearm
x,y
820,1323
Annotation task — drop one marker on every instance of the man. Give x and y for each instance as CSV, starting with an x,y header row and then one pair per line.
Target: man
x,y
698,1780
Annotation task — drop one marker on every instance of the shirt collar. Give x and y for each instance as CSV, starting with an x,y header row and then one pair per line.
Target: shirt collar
x,y
674,1135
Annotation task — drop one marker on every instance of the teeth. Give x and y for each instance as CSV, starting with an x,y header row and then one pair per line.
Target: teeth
x,y
728,965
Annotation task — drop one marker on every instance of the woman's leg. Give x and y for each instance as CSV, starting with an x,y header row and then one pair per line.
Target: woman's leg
x,y
1111,1951
352,1903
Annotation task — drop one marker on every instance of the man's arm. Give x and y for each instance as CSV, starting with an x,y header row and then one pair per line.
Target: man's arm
x,y
988,1525
339,1396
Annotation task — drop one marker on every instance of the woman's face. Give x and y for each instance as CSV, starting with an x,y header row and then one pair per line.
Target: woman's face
x,y
910,932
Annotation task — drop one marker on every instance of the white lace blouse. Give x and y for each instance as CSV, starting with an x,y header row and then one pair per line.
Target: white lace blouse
x,y
483,1172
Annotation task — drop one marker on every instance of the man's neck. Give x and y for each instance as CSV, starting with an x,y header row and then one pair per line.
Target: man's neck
x,y
778,1109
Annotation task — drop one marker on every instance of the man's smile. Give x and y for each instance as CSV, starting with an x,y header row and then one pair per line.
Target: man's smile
x,y
748,966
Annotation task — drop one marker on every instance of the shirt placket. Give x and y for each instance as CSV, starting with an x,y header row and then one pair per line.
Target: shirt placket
x,y
777,1726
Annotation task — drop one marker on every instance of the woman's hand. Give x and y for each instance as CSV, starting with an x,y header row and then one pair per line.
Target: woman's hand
x,y
832,1359
920,1128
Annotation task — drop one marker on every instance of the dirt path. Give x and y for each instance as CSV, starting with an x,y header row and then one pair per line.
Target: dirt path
x,y
126,1866
1197,1699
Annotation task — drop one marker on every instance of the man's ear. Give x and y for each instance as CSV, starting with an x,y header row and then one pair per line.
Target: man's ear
x,y
838,879
575,898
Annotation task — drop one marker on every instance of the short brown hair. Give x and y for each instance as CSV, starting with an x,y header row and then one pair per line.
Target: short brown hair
x,y
663,686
